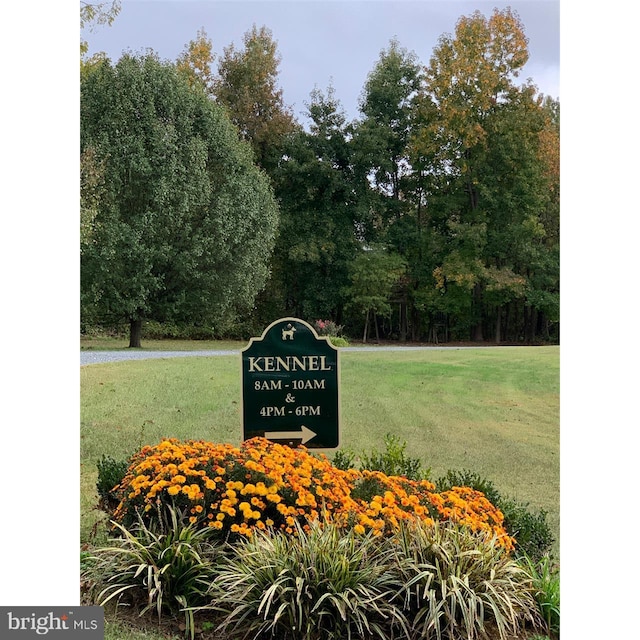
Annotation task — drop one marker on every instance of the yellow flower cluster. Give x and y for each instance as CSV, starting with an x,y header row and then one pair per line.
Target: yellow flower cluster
x,y
403,499
261,484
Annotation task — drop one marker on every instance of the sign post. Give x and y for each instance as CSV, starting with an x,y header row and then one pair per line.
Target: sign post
x,y
290,386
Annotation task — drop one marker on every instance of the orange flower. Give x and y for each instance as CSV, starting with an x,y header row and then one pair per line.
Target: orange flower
x,y
282,485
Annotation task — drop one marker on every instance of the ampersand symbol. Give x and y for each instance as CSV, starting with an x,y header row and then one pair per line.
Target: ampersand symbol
x,y
290,398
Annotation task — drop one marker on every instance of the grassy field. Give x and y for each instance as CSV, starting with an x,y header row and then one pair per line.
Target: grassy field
x,y
492,411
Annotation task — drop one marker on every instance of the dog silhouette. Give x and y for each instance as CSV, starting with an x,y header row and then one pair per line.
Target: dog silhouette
x,y
287,334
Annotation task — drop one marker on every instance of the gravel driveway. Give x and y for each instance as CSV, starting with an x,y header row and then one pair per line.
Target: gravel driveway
x,y
100,357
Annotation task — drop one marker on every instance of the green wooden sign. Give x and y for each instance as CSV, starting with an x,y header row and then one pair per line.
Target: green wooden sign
x,y
290,386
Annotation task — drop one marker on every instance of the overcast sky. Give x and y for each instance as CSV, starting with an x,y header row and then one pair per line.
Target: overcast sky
x,y
334,42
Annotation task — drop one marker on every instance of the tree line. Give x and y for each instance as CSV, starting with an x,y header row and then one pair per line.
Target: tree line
x,y
433,216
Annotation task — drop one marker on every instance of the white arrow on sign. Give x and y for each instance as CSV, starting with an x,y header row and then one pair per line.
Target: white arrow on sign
x,y
305,433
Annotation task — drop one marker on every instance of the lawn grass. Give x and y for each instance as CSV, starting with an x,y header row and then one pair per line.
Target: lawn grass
x,y
121,629
492,411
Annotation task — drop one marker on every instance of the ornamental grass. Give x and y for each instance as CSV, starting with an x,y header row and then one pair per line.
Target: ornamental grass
x,y
424,582
324,583
170,571
461,586
261,485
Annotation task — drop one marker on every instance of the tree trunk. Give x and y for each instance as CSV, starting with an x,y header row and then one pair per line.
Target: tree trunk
x,y
477,335
533,325
366,327
375,322
530,321
415,324
135,333
432,330
544,322
403,321
498,314
507,315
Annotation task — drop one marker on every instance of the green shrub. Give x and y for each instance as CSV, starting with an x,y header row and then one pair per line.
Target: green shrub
x,y
339,342
457,585
110,474
321,584
152,330
96,330
170,571
529,527
393,461
546,582
344,459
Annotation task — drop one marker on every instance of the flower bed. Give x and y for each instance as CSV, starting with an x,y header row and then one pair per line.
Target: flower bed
x,y
263,485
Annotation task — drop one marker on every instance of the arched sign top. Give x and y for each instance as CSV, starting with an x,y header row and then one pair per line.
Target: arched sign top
x,y
290,386
290,330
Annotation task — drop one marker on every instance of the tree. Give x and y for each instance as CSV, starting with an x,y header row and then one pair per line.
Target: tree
x,y
247,87
317,236
515,195
381,138
374,273
382,156
185,225
196,61
543,264
91,191
98,13
478,138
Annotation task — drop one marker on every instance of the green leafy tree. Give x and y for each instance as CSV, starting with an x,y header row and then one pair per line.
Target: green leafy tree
x,y
382,136
185,224
91,170
381,142
515,195
247,86
317,237
92,188
479,137
374,274
543,287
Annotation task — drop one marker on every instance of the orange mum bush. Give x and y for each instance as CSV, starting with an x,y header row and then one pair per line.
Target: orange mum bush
x,y
399,499
261,484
